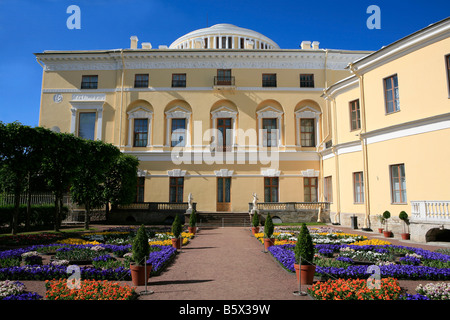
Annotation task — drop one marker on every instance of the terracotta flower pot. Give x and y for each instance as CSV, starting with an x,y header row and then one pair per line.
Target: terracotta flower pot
x,y
255,230
138,274
307,273
176,243
380,230
405,236
192,230
268,242
387,234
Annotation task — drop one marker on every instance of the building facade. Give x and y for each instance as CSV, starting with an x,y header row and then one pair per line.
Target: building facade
x,y
223,113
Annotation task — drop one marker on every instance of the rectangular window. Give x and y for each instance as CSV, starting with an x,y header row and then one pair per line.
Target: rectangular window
x,y
307,80
140,132
310,189
178,132
179,80
269,80
140,189
358,187
176,189
398,183
355,115
141,81
328,189
391,94
270,132
86,125
89,82
307,135
224,77
224,134
271,189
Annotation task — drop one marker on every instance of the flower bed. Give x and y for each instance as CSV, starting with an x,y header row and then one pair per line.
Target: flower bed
x,y
89,290
433,265
15,290
355,289
11,268
29,239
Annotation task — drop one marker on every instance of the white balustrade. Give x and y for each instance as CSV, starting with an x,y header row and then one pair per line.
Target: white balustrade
x,y
425,210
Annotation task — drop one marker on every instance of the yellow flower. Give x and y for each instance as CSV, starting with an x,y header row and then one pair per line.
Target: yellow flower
x,y
373,242
76,241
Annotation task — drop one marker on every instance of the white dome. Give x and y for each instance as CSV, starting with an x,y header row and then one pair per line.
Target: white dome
x,y
223,30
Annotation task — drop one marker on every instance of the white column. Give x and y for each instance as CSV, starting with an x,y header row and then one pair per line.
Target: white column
x,y
99,123
73,120
130,132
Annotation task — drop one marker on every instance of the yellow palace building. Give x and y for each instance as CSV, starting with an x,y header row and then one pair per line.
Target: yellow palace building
x,y
223,113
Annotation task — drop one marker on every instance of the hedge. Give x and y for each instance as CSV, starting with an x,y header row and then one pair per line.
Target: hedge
x,y
40,215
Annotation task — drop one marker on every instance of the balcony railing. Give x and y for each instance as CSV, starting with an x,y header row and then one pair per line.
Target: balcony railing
x,y
224,81
433,211
289,206
158,206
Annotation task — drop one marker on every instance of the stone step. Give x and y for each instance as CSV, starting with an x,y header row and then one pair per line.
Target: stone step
x,y
223,218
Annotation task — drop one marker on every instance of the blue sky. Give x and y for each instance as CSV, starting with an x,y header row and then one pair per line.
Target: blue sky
x,y
30,26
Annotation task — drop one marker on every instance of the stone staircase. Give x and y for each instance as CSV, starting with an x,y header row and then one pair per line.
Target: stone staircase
x,y
223,219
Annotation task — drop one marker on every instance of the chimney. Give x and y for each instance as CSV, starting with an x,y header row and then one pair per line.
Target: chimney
x,y
134,42
315,45
306,45
146,45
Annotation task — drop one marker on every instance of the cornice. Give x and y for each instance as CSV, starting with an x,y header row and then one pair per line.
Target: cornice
x,y
413,42
195,59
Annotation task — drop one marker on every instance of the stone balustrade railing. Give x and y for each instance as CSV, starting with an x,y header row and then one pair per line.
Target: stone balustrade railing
x,y
433,211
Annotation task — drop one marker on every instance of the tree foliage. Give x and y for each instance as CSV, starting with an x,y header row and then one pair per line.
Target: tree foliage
x,y
96,172
304,247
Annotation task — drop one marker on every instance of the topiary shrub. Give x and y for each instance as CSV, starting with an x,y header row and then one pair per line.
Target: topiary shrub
x,y
304,247
177,226
386,216
193,219
268,227
141,247
255,220
404,217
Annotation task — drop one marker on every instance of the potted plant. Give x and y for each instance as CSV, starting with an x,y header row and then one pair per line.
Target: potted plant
x,y
404,217
192,228
268,232
177,227
386,216
255,223
140,254
304,249
382,221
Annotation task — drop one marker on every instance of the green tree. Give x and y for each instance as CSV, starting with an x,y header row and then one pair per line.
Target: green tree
x,y
141,247
120,183
268,227
177,226
59,167
304,247
95,160
21,152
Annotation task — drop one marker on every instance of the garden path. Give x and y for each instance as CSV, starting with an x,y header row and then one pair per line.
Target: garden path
x,y
223,264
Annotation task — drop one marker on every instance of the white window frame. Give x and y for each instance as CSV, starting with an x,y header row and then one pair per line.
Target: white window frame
x,y
307,113
87,103
178,112
269,112
139,113
224,112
